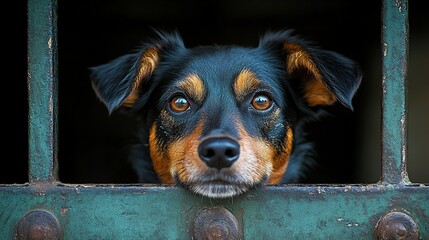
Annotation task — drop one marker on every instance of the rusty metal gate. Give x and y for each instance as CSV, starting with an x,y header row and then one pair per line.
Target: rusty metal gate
x,y
44,208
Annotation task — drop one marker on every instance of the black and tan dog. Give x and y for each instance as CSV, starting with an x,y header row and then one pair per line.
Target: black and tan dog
x,y
220,120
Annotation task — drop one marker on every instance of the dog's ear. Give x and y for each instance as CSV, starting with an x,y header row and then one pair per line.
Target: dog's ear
x,y
125,79
324,77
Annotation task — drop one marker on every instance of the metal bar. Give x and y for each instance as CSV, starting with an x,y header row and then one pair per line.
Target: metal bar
x,y
42,88
394,106
292,212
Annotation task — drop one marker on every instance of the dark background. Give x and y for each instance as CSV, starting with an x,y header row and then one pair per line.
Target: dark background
x,y
93,145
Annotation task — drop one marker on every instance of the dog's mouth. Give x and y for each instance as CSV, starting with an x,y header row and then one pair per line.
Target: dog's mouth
x,y
219,188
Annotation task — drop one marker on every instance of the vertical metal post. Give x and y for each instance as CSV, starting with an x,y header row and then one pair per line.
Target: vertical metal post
x,y
394,107
42,88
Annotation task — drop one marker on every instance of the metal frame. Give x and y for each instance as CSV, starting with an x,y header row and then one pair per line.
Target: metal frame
x,y
44,207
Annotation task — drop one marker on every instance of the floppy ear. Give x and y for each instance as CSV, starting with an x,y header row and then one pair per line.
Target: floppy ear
x,y
125,79
324,77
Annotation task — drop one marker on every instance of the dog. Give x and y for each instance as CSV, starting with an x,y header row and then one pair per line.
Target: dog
x,y
223,120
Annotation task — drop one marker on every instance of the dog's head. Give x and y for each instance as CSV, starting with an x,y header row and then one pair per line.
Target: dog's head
x,y
220,119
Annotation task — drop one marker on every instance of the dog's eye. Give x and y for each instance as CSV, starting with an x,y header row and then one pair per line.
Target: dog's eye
x,y
179,104
261,102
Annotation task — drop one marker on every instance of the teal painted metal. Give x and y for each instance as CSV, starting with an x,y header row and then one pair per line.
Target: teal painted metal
x,y
395,56
293,212
42,88
155,212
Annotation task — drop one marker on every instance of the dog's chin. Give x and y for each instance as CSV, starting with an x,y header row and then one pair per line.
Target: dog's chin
x,y
219,188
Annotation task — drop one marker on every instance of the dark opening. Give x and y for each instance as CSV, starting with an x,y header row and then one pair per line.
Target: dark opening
x,y
93,146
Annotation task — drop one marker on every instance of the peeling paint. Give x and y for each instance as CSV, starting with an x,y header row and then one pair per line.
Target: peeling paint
x,y
400,5
352,224
347,222
320,190
347,188
385,49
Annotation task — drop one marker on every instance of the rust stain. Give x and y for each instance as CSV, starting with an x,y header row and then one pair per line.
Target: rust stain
x,y
63,211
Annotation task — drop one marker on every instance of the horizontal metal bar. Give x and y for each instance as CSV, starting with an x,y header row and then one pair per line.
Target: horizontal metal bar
x,y
42,88
394,106
291,212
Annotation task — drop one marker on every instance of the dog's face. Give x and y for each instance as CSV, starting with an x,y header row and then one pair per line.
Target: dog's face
x,y
222,123
220,120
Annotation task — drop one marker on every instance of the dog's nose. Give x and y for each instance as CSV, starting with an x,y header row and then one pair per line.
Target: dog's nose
x,y
219,152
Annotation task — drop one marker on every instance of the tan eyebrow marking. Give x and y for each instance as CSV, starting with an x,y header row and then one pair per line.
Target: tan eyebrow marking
x,y
194,87
245,83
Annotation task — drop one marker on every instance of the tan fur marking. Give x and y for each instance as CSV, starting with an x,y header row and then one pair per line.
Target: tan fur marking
x,y
255,157
245,83
183,154
315,90
194,87
316,93
148,63
160,162
281,160
180,157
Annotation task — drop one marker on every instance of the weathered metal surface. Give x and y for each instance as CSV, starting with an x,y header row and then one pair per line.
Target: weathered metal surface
x,y
292,212
38,225
397,225
394,107
42,89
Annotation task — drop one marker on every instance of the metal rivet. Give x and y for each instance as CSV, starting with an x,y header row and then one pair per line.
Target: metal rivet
x,y
215,223
397,225
38,224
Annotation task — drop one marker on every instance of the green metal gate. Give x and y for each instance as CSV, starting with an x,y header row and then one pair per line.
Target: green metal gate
x,y
44,208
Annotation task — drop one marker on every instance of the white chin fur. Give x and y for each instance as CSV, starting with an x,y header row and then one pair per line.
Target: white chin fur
x,y
218,190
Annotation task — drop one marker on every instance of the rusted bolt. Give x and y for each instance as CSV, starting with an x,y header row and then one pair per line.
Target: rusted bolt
x,y
215,223
38,225
397,225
